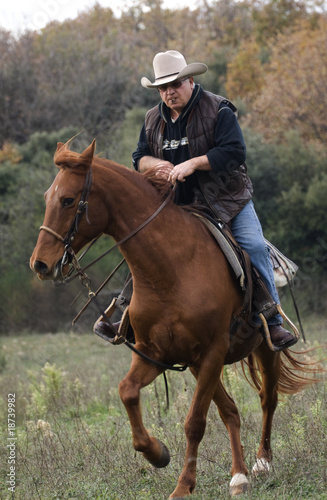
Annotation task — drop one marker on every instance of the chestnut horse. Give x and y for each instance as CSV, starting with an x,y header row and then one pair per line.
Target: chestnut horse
x,y
184,300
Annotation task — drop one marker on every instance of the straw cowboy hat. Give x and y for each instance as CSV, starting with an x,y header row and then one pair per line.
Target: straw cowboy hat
x,y
169,66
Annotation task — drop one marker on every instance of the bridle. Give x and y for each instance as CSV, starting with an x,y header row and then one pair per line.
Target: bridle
x,y
69,256
82,207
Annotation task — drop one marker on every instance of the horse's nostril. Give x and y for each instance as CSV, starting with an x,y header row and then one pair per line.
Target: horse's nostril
x,y
40,267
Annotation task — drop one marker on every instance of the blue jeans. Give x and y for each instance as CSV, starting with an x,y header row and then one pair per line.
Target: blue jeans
x,y
247,231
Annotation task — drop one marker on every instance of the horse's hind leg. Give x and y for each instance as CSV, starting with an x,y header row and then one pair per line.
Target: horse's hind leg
x,y
269,365
140,375
230,416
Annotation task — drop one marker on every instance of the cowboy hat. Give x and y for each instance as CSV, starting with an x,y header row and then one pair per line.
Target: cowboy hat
x,y
169,66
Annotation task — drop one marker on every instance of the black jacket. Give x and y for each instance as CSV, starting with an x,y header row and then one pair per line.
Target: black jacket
x,y
207,125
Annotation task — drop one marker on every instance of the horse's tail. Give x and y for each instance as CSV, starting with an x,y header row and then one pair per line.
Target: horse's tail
x,y
295,374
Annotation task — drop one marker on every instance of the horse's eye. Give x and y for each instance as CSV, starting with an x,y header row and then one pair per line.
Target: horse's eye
x,y
67,202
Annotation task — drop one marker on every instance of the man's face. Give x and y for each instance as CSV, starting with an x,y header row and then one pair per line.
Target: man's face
x,y
177,94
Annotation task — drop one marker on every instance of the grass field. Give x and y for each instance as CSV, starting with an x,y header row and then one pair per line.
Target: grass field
x,y
71,436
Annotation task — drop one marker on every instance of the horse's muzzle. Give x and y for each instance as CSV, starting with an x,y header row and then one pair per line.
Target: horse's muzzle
x,y
44,273
40,268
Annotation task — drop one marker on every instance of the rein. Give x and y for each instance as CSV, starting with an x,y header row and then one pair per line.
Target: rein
x,y
69,257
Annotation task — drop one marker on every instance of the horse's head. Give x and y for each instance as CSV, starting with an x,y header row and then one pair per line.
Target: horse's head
x,y
66,227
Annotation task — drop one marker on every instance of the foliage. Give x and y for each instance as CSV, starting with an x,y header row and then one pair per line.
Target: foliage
x,y
289,194
277,16
294,91
9,153
85,72
125,138
302,177
245,72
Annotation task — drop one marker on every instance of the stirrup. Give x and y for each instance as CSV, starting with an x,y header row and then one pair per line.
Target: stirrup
x,y
267,333
120,338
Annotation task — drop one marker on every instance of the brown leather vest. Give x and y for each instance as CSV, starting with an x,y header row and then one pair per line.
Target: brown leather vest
x,y
226,192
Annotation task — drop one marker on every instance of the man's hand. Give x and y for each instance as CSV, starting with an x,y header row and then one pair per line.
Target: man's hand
x,y
183,170
168,171
163,169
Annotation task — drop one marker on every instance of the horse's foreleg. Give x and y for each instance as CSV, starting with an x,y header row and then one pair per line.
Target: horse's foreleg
x,y
230,416
269,364
195,423
140,375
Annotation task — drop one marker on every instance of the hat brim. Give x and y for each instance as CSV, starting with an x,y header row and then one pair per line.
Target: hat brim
x,y
189,70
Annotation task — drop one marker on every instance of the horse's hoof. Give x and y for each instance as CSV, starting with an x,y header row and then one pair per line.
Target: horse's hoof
x,y
238,485
262,466
164,459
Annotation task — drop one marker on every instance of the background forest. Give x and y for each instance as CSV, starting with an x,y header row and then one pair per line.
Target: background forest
x,y
82,77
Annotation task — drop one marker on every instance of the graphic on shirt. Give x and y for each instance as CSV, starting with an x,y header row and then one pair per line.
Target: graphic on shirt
x,y
174,144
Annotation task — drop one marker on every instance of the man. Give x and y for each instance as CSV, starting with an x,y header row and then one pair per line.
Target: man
x,y
193,137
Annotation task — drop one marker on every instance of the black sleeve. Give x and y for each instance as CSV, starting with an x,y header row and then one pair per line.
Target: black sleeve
x,y
142,148
229,151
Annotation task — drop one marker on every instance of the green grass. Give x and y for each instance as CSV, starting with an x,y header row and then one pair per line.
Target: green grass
x,y
74,440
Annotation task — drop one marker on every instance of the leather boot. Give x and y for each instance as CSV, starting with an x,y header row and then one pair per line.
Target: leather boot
x,y
105,330
280,337
109,331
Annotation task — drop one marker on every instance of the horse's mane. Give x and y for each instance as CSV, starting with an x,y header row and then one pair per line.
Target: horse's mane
x,y
64,157
162,185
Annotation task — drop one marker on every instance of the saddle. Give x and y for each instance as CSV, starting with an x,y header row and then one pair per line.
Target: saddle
x,y
257,298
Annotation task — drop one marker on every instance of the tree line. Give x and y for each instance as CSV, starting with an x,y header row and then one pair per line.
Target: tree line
x,y
82,77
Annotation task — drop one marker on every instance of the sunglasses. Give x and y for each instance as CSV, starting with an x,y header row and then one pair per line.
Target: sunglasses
x,y
174,85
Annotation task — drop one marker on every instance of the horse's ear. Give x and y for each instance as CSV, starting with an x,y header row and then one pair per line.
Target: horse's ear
x,y
59,146
89,152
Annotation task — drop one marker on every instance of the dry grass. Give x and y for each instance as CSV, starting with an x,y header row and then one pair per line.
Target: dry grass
x,y
73,436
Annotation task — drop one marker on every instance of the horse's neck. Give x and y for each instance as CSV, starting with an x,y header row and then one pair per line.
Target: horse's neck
x,y
130,202
129,199
155,251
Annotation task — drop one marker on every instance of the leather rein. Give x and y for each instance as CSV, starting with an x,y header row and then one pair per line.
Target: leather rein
x,y
69,256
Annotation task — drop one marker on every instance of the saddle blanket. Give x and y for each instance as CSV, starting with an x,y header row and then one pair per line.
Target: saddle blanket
x,y
284,269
